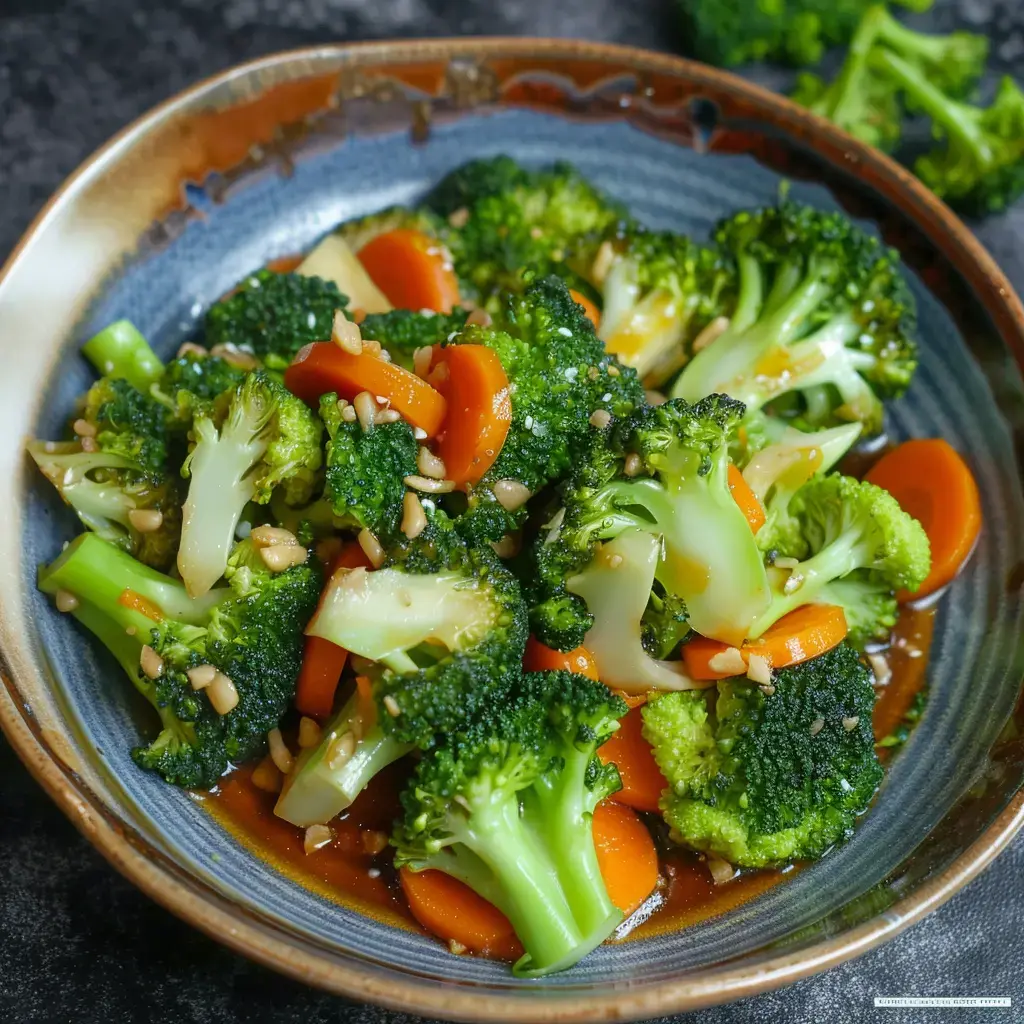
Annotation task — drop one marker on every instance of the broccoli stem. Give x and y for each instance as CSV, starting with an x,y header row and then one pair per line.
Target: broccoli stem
x,y
120,350
314,792
122,588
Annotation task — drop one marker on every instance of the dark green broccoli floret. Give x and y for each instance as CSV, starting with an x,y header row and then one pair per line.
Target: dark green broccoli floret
x,y
560,376
650,501
979,166
659,291
192,384
264,439
274,315
762,780
446,625
506,807
402,331
128,423
251,634
510,218
121,351
844,526
365,470
865,102
821,310
796,32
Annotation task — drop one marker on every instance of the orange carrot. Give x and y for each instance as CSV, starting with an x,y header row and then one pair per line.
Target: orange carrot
x,y
592,312
475,386
322,661
804,633
539,658
323,367
642,781
746,499
934,485
412,269
454,912
625,854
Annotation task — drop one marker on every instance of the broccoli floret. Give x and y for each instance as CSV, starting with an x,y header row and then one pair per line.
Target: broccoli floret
x,y
511,218
864,102
659,290
847,526
871,611
402,331
128,423
762,780
507,808
365,470
560,375
121,351
979,167
253,636
274,315
446,625
194,385
662,472
267,439
821,310
794,32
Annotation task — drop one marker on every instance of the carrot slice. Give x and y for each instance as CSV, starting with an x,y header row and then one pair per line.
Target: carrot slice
x,y
933,484
592,312
412,269
454,912
625,854
539,658
804,633
642,781
322,661
746,499
323,367
475,386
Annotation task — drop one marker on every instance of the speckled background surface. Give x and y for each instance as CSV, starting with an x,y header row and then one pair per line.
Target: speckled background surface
x,y
77,942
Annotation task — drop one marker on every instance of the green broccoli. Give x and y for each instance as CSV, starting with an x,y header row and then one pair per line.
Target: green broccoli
x,y
402,331
365,470
273,315
560,376
822,310
659,291
120,350
762,780
194,385
655,485
979,168
252,637
510,218
865,102
447,626
847,526
117,477
506,806
265,439
795,32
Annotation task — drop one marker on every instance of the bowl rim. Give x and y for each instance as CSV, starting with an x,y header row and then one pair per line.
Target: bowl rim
x,y
220,918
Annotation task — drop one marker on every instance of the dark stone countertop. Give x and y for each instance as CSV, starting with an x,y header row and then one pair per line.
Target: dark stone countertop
x,y
77,942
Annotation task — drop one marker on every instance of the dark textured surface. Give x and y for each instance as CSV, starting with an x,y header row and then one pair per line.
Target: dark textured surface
x,y
77,943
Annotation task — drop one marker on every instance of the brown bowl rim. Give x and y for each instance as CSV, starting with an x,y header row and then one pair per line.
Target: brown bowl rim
x,y
227,923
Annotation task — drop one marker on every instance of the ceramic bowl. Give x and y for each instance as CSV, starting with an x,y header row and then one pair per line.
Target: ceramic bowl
x,y
260,161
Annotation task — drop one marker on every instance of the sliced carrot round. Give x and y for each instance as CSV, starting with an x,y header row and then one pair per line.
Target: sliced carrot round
x,y
540,658
746,499
323,367
413,270
476,388
593,314
804,633
625,854
642,781
932,483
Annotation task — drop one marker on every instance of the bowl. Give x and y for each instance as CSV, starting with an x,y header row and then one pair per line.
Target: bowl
x,y
258,162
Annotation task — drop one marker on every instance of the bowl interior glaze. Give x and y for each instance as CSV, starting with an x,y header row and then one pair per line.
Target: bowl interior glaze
x,y
680,158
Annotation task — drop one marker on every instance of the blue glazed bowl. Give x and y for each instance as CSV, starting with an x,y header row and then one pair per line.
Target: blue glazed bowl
x,y
259,163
